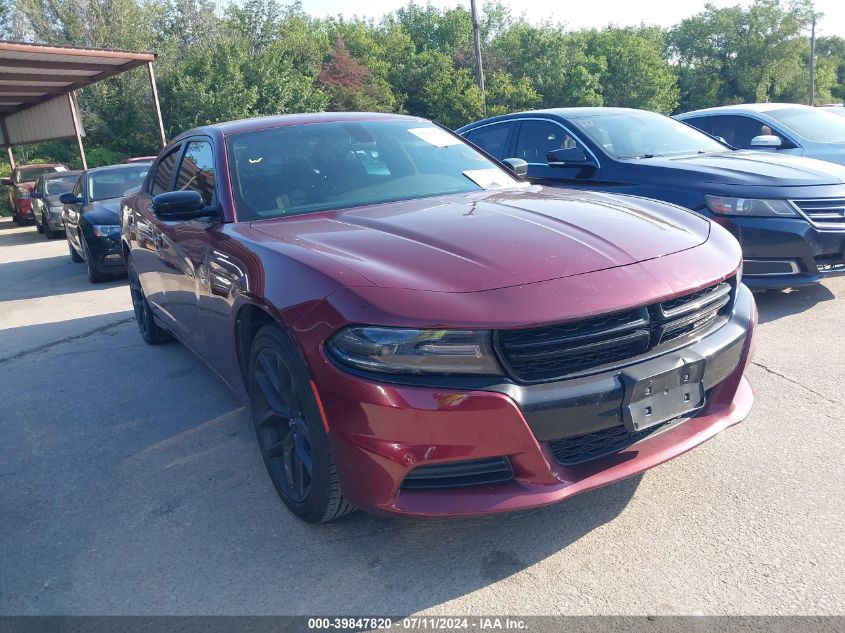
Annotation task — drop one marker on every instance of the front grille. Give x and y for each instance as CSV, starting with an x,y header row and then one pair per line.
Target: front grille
x,y
824,212
582,448
557,351
477,472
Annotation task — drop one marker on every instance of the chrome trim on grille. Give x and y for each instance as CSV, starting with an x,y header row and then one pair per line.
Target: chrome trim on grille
x,y
822,213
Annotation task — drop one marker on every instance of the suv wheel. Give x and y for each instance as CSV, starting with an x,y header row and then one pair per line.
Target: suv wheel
x,y
290,431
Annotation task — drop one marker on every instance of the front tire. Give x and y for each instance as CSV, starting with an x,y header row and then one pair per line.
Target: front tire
x,y
94,275
151,331
75,257
290,431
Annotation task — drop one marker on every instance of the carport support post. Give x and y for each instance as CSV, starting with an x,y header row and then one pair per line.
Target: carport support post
x,y
76,128
157,104
8,143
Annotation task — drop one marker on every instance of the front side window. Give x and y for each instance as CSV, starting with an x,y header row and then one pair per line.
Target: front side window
x,y
164,173
319,166
739,130
641,135
197,170
538,138
493,139
811,123
104,184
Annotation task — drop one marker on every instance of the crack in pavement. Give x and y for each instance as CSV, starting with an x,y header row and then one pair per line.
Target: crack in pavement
x,y
67,339
794,382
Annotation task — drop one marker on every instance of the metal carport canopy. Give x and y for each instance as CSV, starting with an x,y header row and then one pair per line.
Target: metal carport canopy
x,y
37,83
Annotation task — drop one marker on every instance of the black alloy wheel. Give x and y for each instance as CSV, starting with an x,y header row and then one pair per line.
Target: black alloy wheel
x,y
151,331
290,432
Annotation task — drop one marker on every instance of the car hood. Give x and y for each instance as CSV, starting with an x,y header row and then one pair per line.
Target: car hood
x,y
492,239
103,211
751,168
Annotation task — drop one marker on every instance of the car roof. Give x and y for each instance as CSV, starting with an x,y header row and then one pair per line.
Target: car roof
x,y
40,165
566,113
746,107
262,123
94,170
61,174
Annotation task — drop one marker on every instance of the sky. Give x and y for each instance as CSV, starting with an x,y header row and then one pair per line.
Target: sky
x,y
578,14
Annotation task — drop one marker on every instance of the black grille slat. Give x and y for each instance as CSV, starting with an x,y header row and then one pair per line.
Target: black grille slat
x,y
459,474
556,351
583,448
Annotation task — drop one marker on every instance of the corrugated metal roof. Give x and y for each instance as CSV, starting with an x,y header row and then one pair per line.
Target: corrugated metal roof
x,y
32,75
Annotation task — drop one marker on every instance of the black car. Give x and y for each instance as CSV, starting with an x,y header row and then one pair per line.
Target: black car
x,y
46,206
91,217
788,212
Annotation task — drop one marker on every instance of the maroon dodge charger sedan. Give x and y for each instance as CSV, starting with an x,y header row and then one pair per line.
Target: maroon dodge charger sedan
x,y
418,331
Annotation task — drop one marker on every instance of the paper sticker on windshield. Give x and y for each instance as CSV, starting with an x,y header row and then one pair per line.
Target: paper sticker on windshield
x,y
435,136
490,178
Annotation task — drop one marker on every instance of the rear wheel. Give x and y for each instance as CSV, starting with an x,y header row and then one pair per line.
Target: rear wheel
x,y
151,331
290,432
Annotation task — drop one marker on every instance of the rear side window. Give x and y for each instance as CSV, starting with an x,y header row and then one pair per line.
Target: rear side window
x,y
703,123
197,170
538,138
164,173
493,139
739,130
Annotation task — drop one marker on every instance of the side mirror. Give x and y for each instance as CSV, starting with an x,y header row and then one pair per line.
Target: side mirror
x,y
517,166
69,198
571,157
179,205
6,181
767,140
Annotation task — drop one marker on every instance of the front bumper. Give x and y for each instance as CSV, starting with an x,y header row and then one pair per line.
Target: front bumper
x,y
786,252
380,432
107,253
54,220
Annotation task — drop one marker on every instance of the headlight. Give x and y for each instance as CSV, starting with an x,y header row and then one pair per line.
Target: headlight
x,y
106,230
749,207
407,351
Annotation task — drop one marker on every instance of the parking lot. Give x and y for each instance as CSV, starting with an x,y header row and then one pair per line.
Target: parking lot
x,y
130,483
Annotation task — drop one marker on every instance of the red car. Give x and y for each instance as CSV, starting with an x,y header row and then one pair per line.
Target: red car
x,y
21,184
418,331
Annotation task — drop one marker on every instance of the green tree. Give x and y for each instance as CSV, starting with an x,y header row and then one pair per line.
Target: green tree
x,y
729,55
637,73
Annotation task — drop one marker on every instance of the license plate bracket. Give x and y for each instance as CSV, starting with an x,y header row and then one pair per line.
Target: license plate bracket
x,y
662,390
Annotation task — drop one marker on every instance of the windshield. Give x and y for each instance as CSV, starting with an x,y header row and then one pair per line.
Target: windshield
x,y
31,174
319,166
812,124
114,183
640,134
58,186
